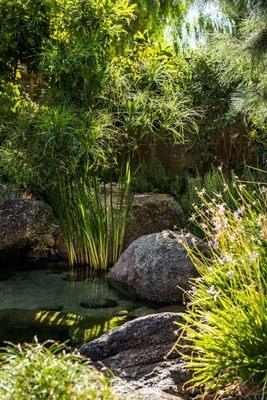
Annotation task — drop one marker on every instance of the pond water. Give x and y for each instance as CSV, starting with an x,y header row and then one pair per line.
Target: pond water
x,y
57,304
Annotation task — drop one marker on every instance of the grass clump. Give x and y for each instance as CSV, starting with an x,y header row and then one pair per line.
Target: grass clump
x,y
48,371
226,324
93,218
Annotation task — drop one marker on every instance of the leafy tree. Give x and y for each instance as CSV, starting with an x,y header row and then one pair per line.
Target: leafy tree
x,y
24,27
89,33
241,58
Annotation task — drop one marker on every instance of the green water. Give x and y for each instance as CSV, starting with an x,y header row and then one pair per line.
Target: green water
x,y
55,304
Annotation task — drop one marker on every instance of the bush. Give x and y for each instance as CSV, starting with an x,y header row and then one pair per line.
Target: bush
x,y
226,323
213,184
152,176
43,144
145,93
48,371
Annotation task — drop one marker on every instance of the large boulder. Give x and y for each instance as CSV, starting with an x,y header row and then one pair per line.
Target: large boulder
x,y
28,228
139,352
155,267
151,213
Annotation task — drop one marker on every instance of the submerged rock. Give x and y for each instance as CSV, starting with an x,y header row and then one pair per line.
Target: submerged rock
x,y
155,267
100,303
139,353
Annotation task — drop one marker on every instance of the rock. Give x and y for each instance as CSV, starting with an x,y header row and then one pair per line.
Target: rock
x,y
139,352
151,213
28,230
21,223
100,303
155,267
125,390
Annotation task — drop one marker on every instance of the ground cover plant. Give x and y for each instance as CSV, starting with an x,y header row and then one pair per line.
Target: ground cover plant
x,y
49,371
226,323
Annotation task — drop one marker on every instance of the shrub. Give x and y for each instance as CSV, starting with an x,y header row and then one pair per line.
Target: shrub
x,y
48,371
87,33
151,176
42,144
226,323
24,27
214,185
145,92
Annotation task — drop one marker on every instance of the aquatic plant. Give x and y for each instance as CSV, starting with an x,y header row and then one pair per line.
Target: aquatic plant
x,y
226,324
93,218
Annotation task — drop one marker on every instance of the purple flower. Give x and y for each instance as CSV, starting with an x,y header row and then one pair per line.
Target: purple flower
x,y
215,293
230,273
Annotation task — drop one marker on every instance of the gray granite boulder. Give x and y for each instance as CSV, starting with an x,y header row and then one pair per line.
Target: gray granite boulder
x,y
138,352
28,229
155,267
151,213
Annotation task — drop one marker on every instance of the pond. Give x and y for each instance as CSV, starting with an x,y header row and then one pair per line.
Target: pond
x,y
75,306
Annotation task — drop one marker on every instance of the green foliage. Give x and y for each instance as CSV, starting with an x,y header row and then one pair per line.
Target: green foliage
x,y
237,69
24,27
11,98
145,93
48,371
88,33
223,133
152,176
208,91
213,185
155,15
93,218
226,322
44,143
